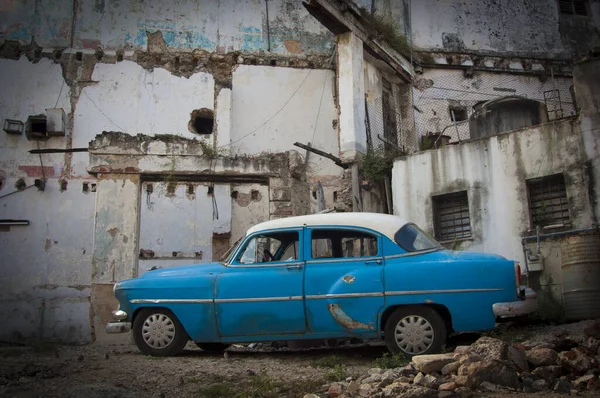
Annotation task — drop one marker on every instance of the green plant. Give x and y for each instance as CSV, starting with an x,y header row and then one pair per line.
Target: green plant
x,y
260,386
336,373
386,28
327,362
389,361
210,151
378,162
216,391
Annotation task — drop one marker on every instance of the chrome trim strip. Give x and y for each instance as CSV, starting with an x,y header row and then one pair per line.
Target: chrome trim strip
x,y
266,264
435,249
413,292
342,295
343,260
171,301
258,299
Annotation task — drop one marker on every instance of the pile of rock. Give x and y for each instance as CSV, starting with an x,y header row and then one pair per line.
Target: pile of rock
x,y
557,363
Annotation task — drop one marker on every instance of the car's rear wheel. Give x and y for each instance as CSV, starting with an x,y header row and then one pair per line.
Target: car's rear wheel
x,y
415,330
157,332
213,347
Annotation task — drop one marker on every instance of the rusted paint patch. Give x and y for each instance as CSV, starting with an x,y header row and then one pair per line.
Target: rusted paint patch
x,y
48,244
36,171
293,46
349,279
113,231
343,319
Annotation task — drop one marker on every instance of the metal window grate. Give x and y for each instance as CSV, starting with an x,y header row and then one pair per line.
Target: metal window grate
x,y
573,7
451,216
548,202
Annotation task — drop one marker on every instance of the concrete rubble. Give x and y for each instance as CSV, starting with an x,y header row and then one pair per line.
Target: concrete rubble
x,y
561,364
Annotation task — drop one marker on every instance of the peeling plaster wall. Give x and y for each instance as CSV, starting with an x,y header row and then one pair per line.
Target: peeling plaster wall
x,y
221,26
46,265
525,26
493,171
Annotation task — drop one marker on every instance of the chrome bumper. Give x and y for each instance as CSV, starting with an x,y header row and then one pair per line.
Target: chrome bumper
x,y
117,327
517,308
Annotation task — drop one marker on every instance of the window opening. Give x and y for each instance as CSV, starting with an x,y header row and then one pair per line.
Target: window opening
x,y
270,247
573,7
548,201
457,113
451,216
201,121
343,244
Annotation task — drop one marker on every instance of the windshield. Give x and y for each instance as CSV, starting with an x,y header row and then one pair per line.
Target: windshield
x,y
412,239
225,257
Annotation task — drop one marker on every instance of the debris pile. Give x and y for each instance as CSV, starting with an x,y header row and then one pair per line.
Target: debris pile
x,y
562,364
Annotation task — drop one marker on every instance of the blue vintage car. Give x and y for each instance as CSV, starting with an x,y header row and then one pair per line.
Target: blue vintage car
x,y
323,276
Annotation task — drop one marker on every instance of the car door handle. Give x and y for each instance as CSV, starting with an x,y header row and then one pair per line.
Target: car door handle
x,y
373,262
295,266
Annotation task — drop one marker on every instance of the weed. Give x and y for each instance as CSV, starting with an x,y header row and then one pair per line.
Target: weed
x,y
327,362
260,386
388,361
378,162
385,28
336,373
210,151
216,391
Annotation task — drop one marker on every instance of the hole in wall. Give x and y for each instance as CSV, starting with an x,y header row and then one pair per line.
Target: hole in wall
x,y
85,187
149,188
171,187
314,194
291,63
190,189
57,54
2,179
20,184
273,62
99,54
201,121
63,185
234,194
254,195
119,55
174,254
35,127
79,56
93,187
211,191
253,61
460,113
335,196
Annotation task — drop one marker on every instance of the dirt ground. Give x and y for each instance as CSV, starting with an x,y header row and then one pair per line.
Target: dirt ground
x,y
121,371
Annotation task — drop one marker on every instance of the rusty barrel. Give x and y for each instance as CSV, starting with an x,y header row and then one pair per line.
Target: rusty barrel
x,y
581,276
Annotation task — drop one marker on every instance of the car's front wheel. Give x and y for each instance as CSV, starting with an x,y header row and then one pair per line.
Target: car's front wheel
x,y
415,330
157,332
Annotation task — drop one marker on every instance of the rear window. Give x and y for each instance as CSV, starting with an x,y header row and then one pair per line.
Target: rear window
x,y
412,239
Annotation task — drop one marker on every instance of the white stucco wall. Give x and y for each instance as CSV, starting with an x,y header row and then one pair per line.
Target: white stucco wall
x,y
274,107
494,171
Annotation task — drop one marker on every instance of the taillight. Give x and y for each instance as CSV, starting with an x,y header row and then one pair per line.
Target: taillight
x,y
518,273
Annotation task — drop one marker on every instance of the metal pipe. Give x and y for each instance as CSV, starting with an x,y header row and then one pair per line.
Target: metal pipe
x,y
557,234
268,27
537,232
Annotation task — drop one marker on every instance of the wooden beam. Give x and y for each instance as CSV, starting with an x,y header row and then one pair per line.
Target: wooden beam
x,y
335,159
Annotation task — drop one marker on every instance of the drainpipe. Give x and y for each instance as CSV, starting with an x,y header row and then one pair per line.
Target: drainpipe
x,y
268,27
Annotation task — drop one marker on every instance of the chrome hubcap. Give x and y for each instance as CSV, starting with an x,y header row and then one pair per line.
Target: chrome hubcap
x,y
158,331
414,334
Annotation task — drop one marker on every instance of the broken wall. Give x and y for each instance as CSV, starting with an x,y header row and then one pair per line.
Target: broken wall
x,y
144,68
493,173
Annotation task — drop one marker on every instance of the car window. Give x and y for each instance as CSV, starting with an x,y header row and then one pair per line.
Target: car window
x,y
339,243
412,239
262,248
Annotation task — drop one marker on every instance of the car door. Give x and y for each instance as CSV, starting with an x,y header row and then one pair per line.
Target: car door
x,y
343,281
261,291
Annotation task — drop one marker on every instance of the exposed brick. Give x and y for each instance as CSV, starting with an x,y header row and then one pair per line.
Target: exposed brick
x,y
36,171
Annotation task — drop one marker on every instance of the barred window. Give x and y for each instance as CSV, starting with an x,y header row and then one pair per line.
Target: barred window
x,y
451,216
548,202
573,7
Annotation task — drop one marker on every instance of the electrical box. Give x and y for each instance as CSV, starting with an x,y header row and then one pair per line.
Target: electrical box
x,y
55,122
13,126
535,263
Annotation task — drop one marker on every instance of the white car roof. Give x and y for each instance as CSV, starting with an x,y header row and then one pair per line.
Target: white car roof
x,y
385,224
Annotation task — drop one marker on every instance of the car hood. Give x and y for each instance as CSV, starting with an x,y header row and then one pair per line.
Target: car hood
x,y
185,270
